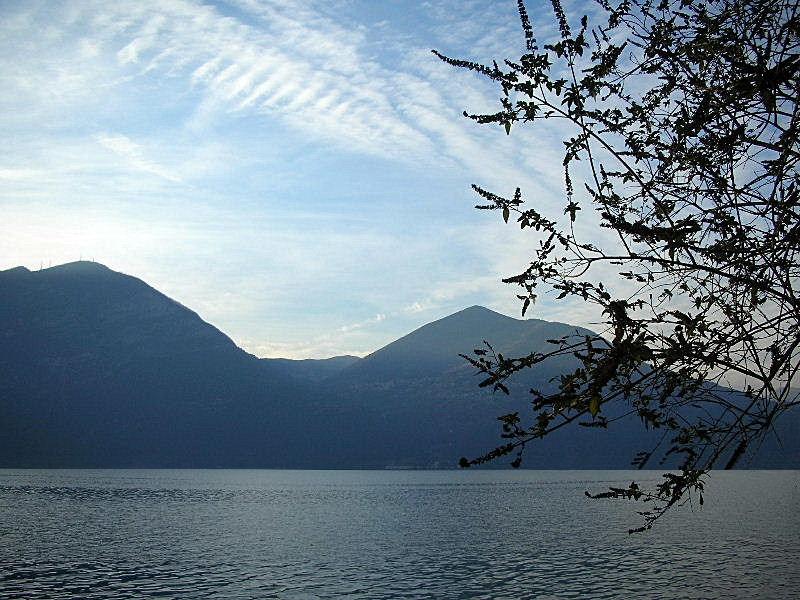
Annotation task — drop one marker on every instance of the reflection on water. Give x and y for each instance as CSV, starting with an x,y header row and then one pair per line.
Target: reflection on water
x,y
367,534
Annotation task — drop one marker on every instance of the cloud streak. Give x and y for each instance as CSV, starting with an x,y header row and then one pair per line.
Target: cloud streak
x,y
134,155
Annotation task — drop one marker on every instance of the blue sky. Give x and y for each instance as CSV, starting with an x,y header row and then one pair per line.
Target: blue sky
x,y
296,172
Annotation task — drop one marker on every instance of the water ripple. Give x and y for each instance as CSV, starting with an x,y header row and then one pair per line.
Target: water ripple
x,y
276,534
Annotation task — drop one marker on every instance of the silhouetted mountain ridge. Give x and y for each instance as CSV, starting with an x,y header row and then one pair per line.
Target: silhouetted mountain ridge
x,y
86,307
98,366
435,348
98,369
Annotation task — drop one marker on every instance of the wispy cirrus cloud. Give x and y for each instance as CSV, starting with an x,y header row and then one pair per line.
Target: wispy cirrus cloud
x,y
134,155
277,60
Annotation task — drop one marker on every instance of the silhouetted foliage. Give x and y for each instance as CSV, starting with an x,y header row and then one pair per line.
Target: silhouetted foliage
x,y
684,116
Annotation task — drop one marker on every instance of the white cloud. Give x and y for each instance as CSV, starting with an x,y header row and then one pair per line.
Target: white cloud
x,y
15,174
362,324
133,154
289,61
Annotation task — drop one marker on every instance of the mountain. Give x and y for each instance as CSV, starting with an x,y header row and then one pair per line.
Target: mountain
x,y
310,369
433,349
419,388
431,355
98,369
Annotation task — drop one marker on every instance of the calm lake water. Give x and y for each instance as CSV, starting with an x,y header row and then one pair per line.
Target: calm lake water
x,y
388,534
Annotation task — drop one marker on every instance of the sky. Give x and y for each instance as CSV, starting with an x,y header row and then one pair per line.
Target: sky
x,y
297,173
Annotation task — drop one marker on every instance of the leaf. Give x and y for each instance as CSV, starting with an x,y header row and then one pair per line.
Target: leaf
x,y
571,209
594,405
506,214
508,127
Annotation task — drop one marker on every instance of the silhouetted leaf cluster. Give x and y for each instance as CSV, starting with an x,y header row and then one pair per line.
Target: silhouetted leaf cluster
x,y
684,136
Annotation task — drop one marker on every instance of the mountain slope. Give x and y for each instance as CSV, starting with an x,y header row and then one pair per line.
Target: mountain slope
x,y
98,369
98,366
434,349
419,397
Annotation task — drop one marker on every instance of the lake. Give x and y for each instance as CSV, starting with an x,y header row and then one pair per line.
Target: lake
x,y
388,534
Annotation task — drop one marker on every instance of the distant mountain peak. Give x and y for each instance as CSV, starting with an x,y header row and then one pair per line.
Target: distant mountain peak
x,y
80,266
476,316
478,310
437,346
15,271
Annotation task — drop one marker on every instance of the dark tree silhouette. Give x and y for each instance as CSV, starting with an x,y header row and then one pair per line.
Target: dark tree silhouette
x,y
684,116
